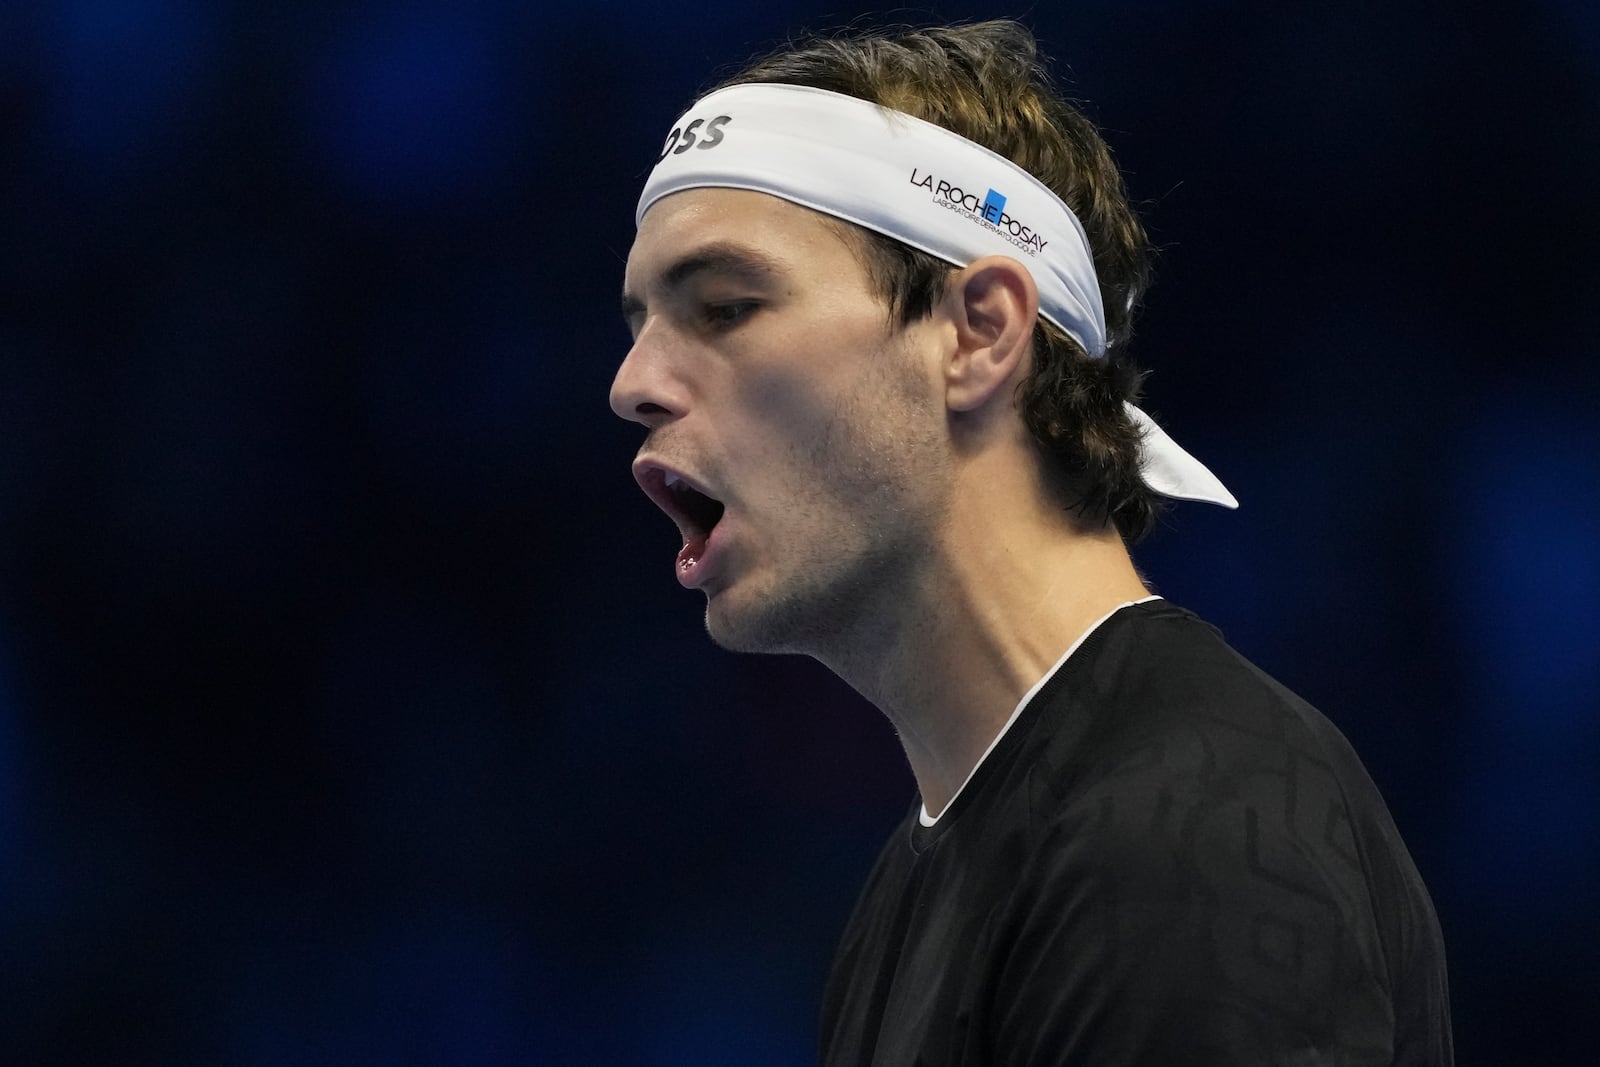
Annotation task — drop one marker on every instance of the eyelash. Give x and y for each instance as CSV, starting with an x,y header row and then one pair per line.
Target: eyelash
x,y
729,314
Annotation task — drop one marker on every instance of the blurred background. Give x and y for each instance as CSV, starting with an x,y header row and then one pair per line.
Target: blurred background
x,y
349,709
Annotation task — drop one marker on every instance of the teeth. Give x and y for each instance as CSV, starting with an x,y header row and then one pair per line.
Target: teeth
x,y
673,480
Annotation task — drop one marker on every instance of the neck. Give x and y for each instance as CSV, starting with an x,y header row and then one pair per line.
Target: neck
x,y
1005,591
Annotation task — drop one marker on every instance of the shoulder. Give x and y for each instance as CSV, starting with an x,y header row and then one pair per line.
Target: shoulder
x,y
1165,720
1193,764
1200,842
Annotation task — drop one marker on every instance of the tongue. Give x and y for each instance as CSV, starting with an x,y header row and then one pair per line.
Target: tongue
x,y
691,552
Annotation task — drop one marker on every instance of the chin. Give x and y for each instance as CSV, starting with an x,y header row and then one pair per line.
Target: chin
x,y
738,631
752,622
766,620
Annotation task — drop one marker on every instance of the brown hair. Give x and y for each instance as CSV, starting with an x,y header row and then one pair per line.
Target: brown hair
x,y
986,82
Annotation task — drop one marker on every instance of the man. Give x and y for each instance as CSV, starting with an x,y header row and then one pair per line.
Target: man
x,y
879,354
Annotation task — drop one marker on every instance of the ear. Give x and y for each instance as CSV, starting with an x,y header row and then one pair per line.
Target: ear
x,y
993,304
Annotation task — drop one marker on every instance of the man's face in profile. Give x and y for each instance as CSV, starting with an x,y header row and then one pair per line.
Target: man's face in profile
x,y
794,429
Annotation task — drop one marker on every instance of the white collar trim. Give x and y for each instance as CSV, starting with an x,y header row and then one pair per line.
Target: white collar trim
x,y
929,820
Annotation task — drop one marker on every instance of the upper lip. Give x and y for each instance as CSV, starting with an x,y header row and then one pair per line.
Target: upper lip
x,y
653,475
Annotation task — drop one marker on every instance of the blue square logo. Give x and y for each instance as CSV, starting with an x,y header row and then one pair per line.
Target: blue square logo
x,y
993,206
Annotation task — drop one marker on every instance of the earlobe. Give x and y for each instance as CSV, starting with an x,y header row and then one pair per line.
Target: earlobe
x,y
994,304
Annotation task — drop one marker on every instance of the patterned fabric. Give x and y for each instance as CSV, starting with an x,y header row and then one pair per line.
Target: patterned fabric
x,y
1169,858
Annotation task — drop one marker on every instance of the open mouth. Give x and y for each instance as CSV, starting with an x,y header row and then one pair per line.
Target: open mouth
x,y
695,511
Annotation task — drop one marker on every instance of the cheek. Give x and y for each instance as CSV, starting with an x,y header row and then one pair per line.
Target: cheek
x,y
816,364
790,395
786,408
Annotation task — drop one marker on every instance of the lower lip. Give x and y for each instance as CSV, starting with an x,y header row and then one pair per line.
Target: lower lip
x,y
695,571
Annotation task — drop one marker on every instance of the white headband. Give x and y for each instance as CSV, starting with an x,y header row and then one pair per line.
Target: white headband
x,y
919,184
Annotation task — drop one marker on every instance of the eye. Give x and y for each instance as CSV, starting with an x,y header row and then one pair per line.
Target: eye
x,y
729,313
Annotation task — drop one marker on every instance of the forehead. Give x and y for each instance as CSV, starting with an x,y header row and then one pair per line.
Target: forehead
x,y
796,240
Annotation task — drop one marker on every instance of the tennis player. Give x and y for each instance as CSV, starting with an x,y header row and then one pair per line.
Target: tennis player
x,y
880,298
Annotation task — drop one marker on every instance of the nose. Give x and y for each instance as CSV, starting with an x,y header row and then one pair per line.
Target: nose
x,y
644,390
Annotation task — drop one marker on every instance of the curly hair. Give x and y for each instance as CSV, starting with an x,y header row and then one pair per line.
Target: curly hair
x,y
987,82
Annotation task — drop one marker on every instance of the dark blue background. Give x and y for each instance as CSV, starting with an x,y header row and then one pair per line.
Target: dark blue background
x,y
349,711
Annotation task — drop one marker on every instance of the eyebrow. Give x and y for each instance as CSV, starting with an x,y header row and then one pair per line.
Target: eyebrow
x,y
720,258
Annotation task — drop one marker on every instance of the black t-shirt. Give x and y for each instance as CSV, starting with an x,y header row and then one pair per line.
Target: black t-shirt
x,y
1168,858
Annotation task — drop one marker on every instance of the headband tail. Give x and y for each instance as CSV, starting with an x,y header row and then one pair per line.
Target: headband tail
x,y
1171,471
